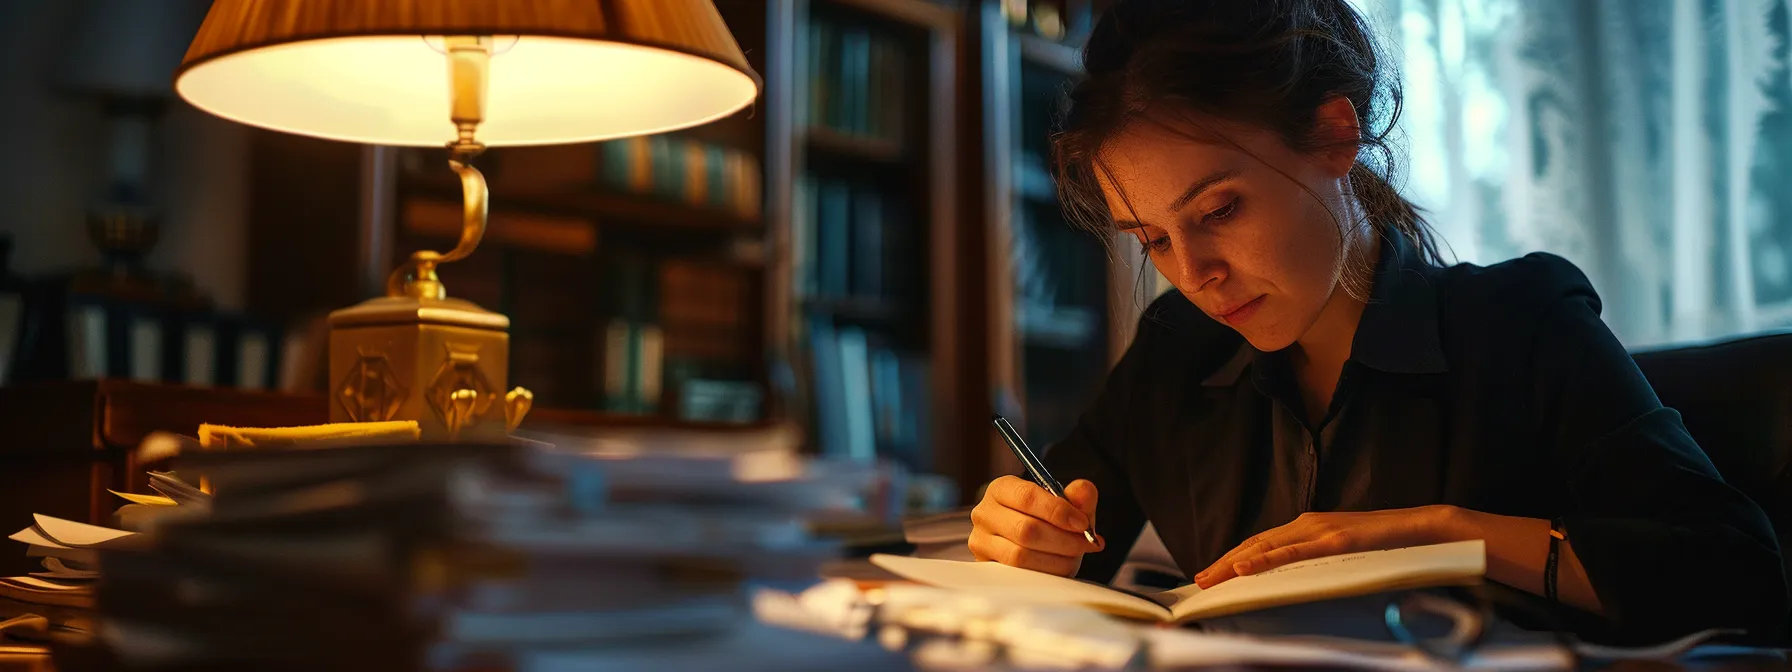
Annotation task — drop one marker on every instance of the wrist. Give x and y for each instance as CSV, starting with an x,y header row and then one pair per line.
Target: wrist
x,y
1454,523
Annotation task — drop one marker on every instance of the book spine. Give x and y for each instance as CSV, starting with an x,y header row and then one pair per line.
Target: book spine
x,y
821,74
856,382
252,360
639,150
722,174
868,242
855,64
146,348
803,252
834,212
830,392
692,159
201,357
86,333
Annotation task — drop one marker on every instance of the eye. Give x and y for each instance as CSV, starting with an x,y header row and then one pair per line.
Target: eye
x,y
1157,244
1224,211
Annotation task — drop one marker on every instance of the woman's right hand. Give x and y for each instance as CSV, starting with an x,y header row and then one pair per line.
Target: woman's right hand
x,y
1020,524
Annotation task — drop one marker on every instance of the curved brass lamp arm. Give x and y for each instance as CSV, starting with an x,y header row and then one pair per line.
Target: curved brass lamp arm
x,y
468,59
473,208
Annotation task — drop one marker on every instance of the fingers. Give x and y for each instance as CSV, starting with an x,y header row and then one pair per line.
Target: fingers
x,y
1027,531
1221,569
1083,496
986,546
1292,553
1028,498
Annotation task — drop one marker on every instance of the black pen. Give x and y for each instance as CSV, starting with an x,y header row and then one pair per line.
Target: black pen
x,y
1035,468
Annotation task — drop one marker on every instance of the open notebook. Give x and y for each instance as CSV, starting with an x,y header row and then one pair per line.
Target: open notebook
x,y
1456,563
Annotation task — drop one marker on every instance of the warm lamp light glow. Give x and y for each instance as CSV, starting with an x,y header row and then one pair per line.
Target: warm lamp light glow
x,y
394,90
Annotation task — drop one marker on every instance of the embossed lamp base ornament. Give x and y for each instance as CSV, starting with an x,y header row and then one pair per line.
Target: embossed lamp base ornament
x,y
441,362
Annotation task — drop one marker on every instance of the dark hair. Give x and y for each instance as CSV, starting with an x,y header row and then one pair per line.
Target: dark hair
x,y
1267,63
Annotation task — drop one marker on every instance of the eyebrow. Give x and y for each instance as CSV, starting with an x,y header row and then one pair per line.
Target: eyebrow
x,y
1193,191
1199,186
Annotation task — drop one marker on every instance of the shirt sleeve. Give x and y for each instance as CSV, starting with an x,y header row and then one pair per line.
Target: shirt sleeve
x,y
1668,546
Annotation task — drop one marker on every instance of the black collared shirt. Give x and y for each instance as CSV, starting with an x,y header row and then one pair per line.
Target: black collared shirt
x,y
1496,389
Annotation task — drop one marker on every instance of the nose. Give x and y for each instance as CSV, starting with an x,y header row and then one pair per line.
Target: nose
x,y
1200,268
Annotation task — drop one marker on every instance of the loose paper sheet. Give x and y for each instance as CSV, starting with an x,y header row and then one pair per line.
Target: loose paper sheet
x,y
72,534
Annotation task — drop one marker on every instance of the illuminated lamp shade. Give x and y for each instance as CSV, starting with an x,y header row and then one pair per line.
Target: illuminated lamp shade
x,y
560,71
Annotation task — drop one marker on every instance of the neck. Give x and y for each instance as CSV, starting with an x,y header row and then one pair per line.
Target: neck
x,y
1326,346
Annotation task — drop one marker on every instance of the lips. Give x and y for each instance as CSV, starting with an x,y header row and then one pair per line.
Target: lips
x,y
1242,313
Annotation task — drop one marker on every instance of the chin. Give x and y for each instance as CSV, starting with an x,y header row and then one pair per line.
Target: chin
x,y
1265,335
1266,342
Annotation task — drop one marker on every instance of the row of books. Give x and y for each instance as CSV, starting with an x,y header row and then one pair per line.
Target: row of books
x,y
857,80
678,327
1060,276
668,167
854,238
676,168
79,338
870,399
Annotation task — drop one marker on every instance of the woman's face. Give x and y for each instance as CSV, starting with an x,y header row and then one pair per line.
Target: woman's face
x,y
1236,232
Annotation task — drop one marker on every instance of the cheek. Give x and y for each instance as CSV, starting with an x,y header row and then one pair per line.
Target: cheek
x,y
1290,247
1290,251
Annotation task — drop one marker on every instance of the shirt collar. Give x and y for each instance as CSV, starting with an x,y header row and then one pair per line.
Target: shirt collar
x,y
1398,332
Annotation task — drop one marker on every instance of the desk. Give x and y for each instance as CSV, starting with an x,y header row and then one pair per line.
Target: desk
x,y
66,443
15,658
24,659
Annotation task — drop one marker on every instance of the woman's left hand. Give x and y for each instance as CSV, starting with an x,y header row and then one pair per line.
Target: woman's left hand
x,y
1314,535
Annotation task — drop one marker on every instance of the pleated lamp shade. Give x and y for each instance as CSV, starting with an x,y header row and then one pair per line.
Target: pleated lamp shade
x,y
375,71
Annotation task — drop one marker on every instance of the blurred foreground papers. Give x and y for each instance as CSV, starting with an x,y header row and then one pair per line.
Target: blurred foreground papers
x,y
458,556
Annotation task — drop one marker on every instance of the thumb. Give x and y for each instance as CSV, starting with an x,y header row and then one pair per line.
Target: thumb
x,y
1082,495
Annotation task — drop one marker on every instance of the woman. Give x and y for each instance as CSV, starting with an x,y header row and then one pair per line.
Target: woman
x,y
1321,383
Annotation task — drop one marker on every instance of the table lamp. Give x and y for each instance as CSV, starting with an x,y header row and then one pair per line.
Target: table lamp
x,y
120,54
468,74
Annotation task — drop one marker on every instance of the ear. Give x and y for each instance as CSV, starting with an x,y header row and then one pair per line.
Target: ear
x,y
1338,134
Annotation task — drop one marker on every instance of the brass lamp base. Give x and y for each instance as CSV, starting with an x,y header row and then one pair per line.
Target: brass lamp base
x,y
441,362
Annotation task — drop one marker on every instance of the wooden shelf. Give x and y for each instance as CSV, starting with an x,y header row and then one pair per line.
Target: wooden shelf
x,y
1055,55
860,309
921,13
829,142
606,419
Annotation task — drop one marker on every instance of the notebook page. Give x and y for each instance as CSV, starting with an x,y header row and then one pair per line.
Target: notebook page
x,y
1336,576
997,580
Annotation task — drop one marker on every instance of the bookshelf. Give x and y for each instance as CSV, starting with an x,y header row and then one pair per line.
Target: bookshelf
x,y
633,270
862,111
1061,307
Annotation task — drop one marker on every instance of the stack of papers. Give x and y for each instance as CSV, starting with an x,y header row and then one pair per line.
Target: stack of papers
x,y
400,556
63,590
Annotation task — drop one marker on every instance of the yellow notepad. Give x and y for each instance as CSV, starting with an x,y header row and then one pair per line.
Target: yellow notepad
x,y
220,437
1338,576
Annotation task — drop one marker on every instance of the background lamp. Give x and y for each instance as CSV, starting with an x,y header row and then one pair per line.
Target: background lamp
x,y
466,74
